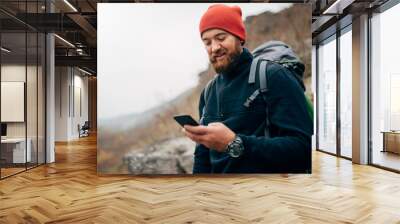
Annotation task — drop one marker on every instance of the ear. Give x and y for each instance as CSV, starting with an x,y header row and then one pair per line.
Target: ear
x,y
240,41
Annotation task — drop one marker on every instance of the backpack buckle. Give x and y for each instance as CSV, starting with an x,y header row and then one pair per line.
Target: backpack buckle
x,y
251,98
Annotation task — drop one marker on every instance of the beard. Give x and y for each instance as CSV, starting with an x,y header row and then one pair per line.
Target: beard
x,y
226,62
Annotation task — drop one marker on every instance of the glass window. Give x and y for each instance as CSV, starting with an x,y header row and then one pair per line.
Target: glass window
x,y
41,97
14,150
346,94
31,101
385,84
327,96
22,92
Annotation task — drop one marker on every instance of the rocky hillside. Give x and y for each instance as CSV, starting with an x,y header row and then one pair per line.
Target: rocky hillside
x,y
173,156
119,150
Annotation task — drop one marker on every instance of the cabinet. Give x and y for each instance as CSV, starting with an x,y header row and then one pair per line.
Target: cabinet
x,y
391,141
13,150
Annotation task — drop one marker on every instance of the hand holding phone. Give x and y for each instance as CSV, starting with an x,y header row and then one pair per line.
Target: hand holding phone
x,y
186,120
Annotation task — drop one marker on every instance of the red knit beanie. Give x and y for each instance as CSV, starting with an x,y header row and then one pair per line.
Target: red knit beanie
x,y
225,18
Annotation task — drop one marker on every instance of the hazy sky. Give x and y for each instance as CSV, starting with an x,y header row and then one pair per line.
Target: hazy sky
x,y
150,53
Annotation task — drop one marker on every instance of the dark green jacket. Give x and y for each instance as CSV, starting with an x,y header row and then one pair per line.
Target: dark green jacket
x,y
288,150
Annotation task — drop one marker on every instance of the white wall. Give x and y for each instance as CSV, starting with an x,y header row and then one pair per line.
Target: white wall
x,y
70,83
62,80
11,73
81,102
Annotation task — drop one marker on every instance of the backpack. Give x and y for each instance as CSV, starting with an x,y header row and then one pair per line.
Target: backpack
x,y
271,52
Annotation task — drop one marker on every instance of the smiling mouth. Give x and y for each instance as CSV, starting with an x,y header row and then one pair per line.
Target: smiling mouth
x,y
219,57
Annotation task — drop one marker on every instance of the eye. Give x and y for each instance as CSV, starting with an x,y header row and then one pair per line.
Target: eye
x,y
221,37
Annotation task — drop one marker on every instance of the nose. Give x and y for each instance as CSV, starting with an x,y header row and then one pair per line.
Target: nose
x,y
215,46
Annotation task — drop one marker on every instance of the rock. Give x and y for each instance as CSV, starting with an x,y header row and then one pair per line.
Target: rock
x,y
173,156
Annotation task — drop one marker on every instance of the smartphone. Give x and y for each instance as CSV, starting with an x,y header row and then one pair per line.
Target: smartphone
x,y
186,119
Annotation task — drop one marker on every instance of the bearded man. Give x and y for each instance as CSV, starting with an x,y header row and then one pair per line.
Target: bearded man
x,y
230,137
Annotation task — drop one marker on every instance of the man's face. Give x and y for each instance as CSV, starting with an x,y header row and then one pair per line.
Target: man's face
x,y
222,48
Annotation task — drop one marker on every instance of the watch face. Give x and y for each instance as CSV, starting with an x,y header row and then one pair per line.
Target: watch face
x,y
236,148
236,151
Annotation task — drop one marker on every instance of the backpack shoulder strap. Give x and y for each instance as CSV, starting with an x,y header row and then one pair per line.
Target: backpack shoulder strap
x,y
259,66
262,75
253,68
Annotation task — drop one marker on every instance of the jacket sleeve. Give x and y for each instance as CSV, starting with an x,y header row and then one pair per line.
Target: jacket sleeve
x,y
289,147
201,153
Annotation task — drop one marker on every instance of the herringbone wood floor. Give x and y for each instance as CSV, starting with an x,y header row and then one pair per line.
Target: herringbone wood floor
x,y
69,191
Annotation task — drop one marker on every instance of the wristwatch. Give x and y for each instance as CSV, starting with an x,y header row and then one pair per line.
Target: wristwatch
x,y
235,148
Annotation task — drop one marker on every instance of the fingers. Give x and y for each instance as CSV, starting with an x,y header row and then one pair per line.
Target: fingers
x,y
213,124
216,124
196,138
198,130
